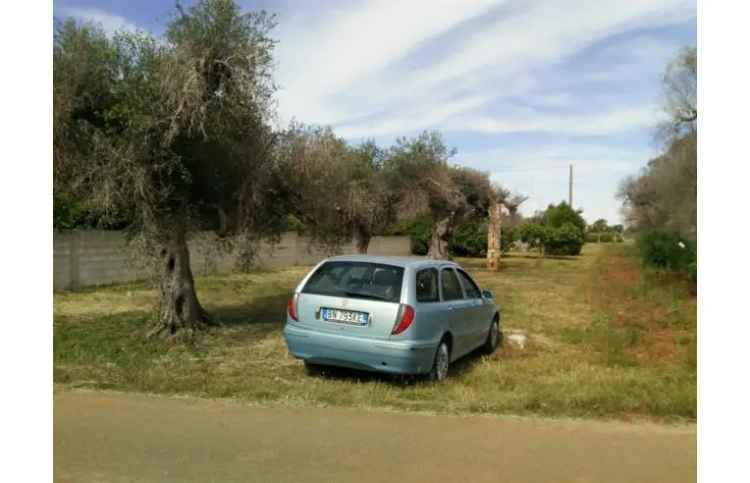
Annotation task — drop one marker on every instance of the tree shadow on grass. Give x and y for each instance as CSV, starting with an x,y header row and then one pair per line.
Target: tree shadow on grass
x,y
259,310
567,258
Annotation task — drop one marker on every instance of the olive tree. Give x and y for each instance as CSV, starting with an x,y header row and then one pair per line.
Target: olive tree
x,y
336,190
663,195
176,130
422,181
680,101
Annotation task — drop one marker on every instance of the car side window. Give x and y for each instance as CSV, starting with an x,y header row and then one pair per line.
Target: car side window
x,y
471,289
427,285
450,284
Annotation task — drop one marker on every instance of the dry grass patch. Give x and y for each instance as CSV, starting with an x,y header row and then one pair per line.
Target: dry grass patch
x,y
605,339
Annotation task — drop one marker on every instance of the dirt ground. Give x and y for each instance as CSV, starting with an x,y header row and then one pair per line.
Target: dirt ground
x,y
109,436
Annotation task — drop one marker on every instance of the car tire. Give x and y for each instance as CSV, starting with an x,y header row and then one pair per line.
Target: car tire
x,y
494,336
313,369
439,371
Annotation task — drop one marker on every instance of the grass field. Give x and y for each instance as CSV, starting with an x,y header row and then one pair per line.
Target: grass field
x,y
606,339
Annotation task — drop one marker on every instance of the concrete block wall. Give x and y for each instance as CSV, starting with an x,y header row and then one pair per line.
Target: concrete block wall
x,y
91,257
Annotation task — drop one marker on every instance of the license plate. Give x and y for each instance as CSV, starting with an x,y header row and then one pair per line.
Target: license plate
x,y
345,316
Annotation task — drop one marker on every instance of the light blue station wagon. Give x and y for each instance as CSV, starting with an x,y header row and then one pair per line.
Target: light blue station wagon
x,y
401,315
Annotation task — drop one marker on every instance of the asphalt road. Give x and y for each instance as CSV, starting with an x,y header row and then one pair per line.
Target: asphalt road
x,y
106,436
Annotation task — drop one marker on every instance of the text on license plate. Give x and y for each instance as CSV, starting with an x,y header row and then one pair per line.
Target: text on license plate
x,y
345,316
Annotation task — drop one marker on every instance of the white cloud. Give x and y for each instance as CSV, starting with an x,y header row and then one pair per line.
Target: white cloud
x,y
426,118
546,32
589,124
110,23
352,64
320,56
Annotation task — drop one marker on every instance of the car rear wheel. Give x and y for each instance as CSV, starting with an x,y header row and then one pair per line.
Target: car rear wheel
x,y
493,337
442,360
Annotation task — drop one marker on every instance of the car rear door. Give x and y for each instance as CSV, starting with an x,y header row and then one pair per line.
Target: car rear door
x,y
458,311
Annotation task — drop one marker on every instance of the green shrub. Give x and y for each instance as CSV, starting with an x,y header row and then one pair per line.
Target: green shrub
x,y
592,237
668,251
606,237
556,216
68,214
565,240
533,234
469,240
507,236
420,232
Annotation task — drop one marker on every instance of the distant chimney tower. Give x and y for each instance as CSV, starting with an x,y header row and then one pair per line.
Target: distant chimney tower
x,y
570,187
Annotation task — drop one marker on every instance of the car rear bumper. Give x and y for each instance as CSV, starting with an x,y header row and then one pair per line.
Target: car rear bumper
x,y
396,357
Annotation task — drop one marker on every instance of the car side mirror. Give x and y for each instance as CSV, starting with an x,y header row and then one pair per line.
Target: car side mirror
x,y
487,294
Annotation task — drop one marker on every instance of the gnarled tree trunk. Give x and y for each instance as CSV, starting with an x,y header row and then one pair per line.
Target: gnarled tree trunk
x,y
442,231
180,311
362,237
494,244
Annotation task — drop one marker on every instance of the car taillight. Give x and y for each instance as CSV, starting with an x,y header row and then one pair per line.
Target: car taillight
x,y
406,317
291,307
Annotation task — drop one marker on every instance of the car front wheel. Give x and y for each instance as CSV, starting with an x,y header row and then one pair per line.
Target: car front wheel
x,y
442,360
493,337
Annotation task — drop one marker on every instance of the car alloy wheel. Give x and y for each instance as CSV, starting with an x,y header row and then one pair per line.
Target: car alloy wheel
x,y
493,338
442,361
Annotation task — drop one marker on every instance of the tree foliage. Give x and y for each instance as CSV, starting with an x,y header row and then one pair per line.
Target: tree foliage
x,y
566,239
680,102
663,196
559,230
555,216
336,190
421,180
175,131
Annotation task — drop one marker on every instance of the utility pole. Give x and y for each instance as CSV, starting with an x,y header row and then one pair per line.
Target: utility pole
x,y
570,188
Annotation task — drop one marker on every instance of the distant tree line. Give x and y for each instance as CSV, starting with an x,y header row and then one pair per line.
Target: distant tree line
x,y
601,232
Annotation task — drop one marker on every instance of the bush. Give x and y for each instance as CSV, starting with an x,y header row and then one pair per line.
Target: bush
x,y
668,251
533,234
469,240
606,238
507,237
557,216
420,232
565,240
68,214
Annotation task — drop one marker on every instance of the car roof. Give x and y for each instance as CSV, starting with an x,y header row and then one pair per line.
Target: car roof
x,y
391,260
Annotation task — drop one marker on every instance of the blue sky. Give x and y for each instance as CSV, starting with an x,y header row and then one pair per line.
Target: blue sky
x,y
522,89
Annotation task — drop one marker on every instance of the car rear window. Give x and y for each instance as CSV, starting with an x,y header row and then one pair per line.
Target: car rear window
x,y
364,280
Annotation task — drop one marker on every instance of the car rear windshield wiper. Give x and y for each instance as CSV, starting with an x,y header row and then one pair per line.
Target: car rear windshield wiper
x,y
366,295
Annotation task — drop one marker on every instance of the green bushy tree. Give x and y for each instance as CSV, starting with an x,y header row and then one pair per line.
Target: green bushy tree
x,y
564,240
665,250
555,216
